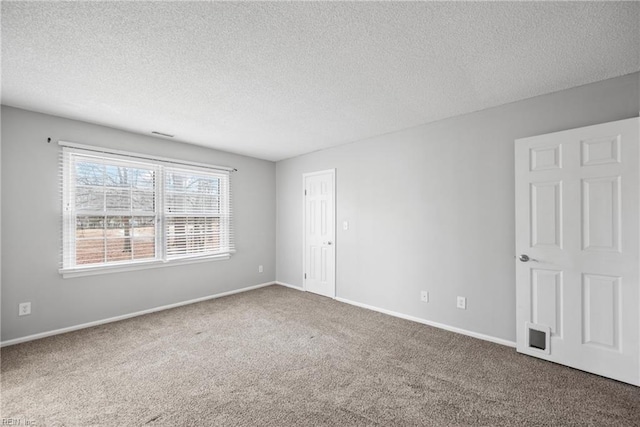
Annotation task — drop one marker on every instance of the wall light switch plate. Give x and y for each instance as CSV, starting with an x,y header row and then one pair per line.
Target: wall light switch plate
x,y
345,225
462,303
424,296
260,269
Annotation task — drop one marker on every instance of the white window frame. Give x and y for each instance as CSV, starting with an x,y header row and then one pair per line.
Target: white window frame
x,y
70,269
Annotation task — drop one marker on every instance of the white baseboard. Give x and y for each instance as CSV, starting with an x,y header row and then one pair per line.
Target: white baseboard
x,y
430,323
416,319
249,288
128,316
298,288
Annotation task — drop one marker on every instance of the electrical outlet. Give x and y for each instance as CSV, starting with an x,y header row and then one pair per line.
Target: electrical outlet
x,y
462,303
424,296
24,308
260,269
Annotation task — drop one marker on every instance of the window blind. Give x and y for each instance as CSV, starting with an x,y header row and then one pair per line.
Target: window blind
x,y
197,212
119,211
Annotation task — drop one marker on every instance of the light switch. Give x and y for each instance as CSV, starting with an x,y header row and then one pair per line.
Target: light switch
x,y
345,225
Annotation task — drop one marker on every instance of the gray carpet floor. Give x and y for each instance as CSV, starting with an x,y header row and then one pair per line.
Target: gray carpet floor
x,y
280,357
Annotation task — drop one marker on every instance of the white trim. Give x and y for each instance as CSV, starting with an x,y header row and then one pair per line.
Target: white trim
x,y
335,225
430,323
141,265
304,233
287,285
141,156
415,319
128,316
333,170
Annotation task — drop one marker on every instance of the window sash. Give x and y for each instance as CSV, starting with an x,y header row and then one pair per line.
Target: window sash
x,y
136,241
183,186
199,242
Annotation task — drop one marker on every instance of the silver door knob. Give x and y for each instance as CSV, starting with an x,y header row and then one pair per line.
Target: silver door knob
x,y
524,258
329,243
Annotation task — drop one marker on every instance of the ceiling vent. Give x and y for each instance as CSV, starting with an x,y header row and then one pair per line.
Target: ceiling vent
x,y
162,134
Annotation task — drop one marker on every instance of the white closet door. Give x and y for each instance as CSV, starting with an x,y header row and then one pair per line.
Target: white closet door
x,y
319,233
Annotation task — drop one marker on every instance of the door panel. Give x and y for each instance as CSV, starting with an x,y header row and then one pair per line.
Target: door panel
x,y
578,221
319,232
545,158
601,151
546,299
601,312
601,214
546,214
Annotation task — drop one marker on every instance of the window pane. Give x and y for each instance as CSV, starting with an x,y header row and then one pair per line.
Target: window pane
x,y
118,200
123,237
174,202
90,198
144,248
176,235
90,251
199,203
143,201
213,225
117,176
142,179
213,203
192,235
196,225
118,226
174,181
176,226
191,183
89,227
177,245
144,226
88,173
118,249
200,185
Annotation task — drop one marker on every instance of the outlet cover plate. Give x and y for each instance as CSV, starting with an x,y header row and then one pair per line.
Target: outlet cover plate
x,y
424,296
24,308
461,303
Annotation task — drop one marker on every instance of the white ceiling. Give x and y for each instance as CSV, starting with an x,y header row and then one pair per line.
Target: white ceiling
x,y
276,80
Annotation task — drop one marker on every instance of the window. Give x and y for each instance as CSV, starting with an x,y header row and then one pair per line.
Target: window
x,y
127,210
193,211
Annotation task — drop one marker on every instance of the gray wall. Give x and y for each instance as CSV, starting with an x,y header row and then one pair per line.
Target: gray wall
x,y
31,230
432,207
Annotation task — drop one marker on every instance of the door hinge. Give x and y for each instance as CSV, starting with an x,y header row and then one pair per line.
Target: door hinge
x,y
305,275
305,192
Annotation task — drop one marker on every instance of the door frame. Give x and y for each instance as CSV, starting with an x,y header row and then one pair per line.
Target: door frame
x,y
304,225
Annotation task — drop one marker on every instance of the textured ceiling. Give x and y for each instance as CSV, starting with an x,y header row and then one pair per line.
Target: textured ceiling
x,y
275,80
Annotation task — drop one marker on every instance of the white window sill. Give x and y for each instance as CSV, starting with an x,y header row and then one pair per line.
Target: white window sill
x,y
68,273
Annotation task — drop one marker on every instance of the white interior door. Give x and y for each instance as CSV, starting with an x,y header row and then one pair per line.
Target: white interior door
x,y
577,236
319,233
